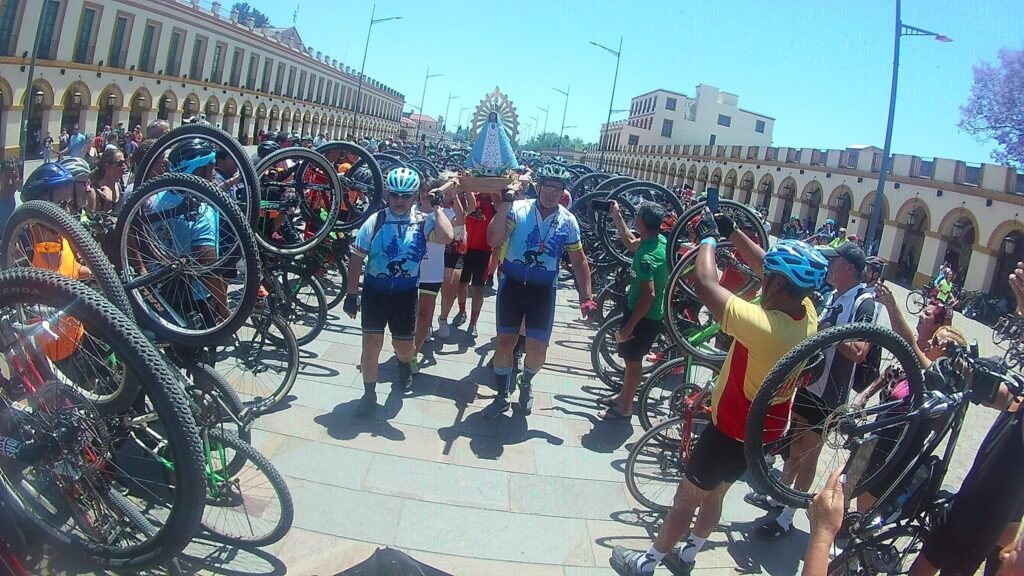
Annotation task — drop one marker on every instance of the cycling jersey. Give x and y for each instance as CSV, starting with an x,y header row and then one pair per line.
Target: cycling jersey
x,y
394,254
62,340
649,265
476,225
761,338
184,234
535,246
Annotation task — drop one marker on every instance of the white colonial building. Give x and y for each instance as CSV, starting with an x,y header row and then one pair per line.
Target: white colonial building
x,y
663,117
934,210
107,61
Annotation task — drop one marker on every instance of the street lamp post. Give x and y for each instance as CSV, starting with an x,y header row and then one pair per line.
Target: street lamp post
x,y
615,81
561,131
545,111
447,106
422,99
901,30
461,110
359,88
535,125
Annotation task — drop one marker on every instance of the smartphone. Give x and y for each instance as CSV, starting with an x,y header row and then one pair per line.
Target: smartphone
x,y
601,205
713,200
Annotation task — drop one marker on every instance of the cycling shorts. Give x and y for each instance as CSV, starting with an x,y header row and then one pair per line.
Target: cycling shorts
x,y
432,288
811,408
533,303
716,458
644,334
474,267
453,260
395,310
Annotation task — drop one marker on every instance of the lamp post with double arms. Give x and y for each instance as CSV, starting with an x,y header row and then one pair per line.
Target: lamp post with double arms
x,y
447,106
901,31
422,98
362,69
565,109
615,81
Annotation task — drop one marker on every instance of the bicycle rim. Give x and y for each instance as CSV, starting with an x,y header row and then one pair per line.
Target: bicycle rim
x,y
664,392
657,462
261,361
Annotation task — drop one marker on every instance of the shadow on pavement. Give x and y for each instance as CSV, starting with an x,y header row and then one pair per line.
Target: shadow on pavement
x,y
343,424
756,556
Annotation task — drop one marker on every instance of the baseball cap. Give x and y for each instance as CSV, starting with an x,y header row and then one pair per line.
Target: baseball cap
x,y
848,251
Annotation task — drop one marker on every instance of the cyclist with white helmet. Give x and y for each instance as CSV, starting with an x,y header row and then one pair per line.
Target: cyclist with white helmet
x,y
762,333
393,242
83,196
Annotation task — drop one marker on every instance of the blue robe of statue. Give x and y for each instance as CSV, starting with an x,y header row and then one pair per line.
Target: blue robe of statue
x,y
492,153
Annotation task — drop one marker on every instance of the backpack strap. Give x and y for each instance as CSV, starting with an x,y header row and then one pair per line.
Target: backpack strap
x,y
378,223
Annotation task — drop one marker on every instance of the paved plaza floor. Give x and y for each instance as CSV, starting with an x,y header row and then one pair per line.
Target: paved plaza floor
x,y
537,495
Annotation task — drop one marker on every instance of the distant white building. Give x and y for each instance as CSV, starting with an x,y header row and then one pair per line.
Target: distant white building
x,y
664,117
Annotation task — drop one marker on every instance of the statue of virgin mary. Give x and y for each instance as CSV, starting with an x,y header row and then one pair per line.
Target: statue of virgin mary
x,y
492,153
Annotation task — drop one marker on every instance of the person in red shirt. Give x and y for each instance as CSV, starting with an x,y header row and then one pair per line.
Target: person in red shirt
x,y
476,261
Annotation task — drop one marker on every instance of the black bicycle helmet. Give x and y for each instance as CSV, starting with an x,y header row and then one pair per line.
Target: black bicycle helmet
x,y
266,148
875,263
191,155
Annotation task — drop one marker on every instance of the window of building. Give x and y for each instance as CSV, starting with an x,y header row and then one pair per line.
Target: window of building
x,y
320,90
311,89
711,141
47,39
147,58
268,67
759,126
634,140
670,103
279,82
8,24
173,66
250,77
217,74
302,83
195,70
724,120
654,103
85,45
235,79
291,81
119,45
666,128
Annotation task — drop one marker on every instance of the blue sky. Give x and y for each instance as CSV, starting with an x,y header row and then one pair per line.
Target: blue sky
x,y
821,68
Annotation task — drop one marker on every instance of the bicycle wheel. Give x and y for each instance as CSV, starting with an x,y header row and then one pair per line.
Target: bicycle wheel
x,y
748,221
664,392
1001,330
916,301
248,195
692,327
261,361
733,273
247,504
630,196
362,182
872,453
891,552
657,462
604,354
299,201
65,490
216,403
332,270
303,305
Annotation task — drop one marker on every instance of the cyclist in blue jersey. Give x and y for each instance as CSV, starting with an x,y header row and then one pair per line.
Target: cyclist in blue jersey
x,y
393,242
537,233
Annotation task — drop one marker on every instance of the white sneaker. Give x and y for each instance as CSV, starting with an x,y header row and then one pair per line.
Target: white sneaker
x,y
443,332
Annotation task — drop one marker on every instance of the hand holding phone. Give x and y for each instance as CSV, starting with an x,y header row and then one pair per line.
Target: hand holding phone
x,y
713,200
601,205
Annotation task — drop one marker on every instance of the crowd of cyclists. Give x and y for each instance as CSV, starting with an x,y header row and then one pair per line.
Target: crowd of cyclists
x,y
431,240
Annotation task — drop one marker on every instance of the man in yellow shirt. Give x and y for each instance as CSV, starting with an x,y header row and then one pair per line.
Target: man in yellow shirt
x,y
762,334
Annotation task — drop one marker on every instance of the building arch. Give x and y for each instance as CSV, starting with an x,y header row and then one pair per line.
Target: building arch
x,y
6,94
75,102
716,177
810,202
1007,241
39,85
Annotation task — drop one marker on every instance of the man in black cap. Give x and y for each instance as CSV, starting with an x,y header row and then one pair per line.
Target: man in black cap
x,y
851,301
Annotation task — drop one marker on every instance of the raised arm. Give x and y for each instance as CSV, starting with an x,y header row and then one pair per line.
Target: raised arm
x,y
899,323
630,240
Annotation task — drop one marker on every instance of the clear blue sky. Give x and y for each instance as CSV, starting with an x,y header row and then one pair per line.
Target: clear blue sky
x,y
821,68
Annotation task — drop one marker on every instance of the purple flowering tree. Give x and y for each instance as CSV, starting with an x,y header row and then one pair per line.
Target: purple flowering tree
x,y
995,110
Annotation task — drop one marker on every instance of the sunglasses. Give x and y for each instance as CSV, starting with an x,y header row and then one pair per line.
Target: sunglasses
x,y
399,196
121,163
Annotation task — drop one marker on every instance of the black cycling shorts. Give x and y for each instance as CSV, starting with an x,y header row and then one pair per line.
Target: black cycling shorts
x,y
452,260
644,334
395,310
431,287
534,304
715,459
810,408
474,267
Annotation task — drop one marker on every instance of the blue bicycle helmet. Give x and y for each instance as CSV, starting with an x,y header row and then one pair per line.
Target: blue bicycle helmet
x,y
44,180
801,264
191,155
403,181
830,221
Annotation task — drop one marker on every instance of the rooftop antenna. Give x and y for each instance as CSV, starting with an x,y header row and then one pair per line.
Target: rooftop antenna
x,y
295,16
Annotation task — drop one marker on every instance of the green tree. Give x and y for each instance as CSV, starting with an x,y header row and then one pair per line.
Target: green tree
x,y
549,141
245,11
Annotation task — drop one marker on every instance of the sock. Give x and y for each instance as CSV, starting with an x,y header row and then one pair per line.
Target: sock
x,y
462,307
501,376
785,518
688,553
369,388
528,377
649,561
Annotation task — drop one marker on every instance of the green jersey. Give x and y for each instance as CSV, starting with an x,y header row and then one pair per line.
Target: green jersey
x,y
649,264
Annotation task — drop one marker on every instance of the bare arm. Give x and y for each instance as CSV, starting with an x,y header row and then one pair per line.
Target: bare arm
x,y
460,209
355,268
498,230
709,291
899,323
581,268
443,232
629,240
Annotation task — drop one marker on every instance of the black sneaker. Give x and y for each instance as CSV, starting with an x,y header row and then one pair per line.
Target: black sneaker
x,y
499,406
459,318
473,333
404,376
367,404
525,397
772,530
762,501
676,565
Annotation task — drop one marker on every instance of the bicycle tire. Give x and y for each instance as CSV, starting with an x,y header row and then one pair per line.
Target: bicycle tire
x,y
142,523
657,394
140,358
607,367
305,160
781,380
740,213
863,557
586,184
225,142
305,311
661,446
261,467
335,280
662,196
722,251
373,189
916,302
149,304
685,318
227,410
241,362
